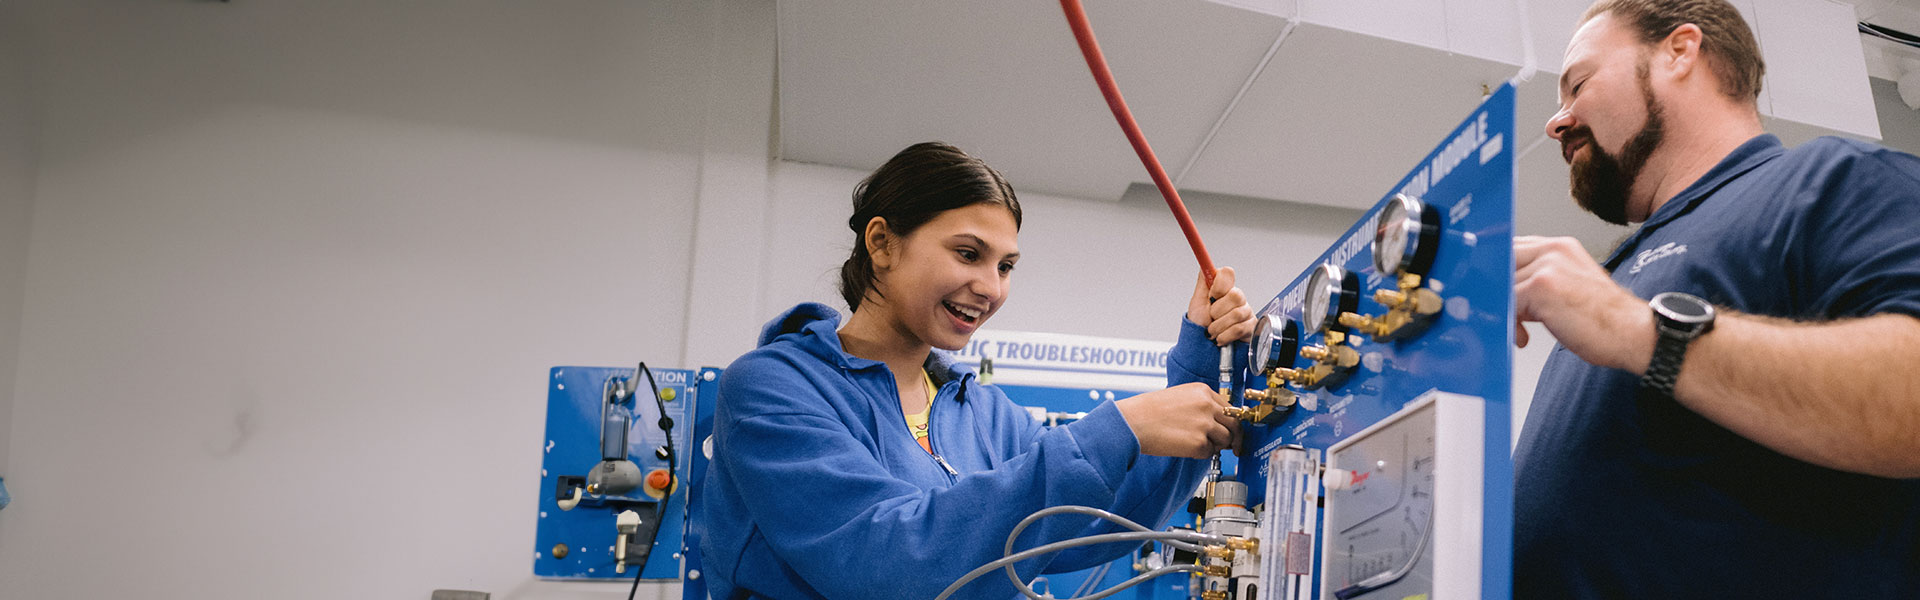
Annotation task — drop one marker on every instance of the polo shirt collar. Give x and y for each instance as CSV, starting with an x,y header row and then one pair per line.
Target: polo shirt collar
x,y
1751,154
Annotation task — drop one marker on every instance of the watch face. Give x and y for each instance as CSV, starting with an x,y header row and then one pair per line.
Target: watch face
x,y
1684,308
1275,340
1329,292
1680,307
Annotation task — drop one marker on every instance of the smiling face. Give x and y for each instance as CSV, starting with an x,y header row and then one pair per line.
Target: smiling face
x,y
1609,122
941,282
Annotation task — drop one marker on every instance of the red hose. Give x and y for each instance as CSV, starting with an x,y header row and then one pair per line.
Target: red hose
x,y
1097,62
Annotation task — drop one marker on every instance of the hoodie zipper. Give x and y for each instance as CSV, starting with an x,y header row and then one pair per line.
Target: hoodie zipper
x,y
931,442
951,474
934,455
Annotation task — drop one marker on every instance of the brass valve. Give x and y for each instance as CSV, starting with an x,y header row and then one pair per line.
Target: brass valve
x,y
1330,363
1266,404
1260,413
1409,309
1276,393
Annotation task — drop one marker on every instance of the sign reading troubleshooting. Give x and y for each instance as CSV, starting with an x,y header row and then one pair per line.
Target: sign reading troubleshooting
x,y
1061,360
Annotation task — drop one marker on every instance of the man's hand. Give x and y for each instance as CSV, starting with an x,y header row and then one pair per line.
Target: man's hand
x,y
1829,393
1184,421
1222,308
1556,283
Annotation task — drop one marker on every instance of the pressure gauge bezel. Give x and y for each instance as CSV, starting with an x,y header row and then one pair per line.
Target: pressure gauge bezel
x,y
1275,341
1412,229
1331,290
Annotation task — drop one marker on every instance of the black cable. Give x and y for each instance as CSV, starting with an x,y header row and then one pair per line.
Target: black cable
x,y
665,422
636,582
666,426
1890,34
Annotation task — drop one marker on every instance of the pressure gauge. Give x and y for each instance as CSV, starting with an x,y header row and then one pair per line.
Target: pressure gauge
x,y
1330,291
1405,236
1275,340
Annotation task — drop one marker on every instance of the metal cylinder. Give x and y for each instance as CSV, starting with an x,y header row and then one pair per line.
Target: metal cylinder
x,y
1228,515
1230,492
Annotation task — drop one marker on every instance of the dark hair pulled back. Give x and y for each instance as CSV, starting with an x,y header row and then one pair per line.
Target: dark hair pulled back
x,y
915,186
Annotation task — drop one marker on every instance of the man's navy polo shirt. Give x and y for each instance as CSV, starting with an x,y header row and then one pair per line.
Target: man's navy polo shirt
x,y
1623,495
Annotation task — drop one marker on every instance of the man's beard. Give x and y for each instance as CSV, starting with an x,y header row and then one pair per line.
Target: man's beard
x,y
1602,183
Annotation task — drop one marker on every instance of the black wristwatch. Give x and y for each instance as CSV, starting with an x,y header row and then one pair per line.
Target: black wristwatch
x,y
1678,318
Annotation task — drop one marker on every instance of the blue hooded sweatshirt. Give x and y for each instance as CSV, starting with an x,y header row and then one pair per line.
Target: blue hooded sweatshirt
x,y
817,489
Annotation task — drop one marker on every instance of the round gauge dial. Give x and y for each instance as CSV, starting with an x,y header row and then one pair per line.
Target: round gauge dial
x,y
1331,290
1405,236
1275,340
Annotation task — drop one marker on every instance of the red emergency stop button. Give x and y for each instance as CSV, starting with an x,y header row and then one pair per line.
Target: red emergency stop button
x,y
659,479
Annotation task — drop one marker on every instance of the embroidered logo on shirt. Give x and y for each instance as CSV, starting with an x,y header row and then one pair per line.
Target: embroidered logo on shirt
x,y
1646,257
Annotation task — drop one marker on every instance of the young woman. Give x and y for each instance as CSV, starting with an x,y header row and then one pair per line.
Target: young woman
x,y
860,461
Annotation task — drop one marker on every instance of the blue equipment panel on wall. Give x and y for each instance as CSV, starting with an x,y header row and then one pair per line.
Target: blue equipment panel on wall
x,y
1387,368
595,414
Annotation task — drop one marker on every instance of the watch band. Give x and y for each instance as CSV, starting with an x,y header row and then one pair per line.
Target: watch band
x,y
1668,352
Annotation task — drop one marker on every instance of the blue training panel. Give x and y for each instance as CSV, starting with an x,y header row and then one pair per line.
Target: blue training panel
x,y
575,396
1466,350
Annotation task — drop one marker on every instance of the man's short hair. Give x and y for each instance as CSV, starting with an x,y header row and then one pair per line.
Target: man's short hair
x,y
1724,36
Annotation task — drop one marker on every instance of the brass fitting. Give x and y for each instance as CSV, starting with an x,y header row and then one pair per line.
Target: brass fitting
x,y
1259,396
1214,594
1330,361
1269,402
1217,571
1280,377
1409,309
1220,552
1240,543
1317,353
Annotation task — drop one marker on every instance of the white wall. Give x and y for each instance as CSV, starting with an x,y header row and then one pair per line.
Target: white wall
x,y
297,272
16,205
1899,125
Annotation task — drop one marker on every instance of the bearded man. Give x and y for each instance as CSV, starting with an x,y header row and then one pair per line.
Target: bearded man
x,y
1734,407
